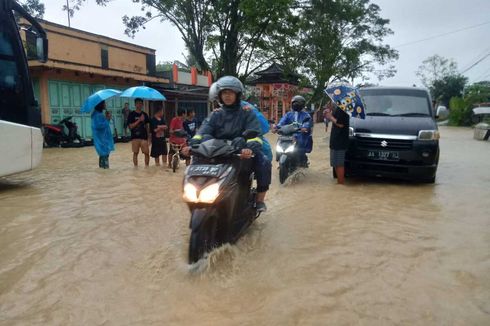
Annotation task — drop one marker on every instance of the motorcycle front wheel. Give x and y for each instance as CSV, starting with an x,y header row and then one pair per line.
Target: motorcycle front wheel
x,y
175,162
283,173
202,240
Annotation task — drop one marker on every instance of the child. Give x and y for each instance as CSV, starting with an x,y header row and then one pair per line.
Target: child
x,y
158,141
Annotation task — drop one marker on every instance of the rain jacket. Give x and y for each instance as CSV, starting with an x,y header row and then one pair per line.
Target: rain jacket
x,y
264,125
101,133
304,139
229,123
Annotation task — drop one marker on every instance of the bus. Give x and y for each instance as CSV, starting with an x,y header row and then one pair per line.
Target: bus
x,y
21,139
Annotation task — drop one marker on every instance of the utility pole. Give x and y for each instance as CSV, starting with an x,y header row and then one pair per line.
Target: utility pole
x,y
68,11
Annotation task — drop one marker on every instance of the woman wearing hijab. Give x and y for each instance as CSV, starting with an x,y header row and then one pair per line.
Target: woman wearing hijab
x,y
102,135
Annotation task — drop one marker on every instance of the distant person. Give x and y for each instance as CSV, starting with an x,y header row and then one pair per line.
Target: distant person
x,y
177,126
190,123
110,118
125,113
158,141
327,109
102,135
138,123
339,141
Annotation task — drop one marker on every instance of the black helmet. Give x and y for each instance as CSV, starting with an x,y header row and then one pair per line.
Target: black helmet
x,y
298,103
232,83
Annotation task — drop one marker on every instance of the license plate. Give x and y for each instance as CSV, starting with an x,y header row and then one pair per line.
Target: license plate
x,y
383,155
203,170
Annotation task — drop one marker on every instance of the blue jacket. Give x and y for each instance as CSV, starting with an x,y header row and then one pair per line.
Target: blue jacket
x,y
264,125
101,133
304,139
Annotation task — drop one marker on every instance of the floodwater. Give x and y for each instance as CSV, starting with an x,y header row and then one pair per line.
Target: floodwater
x,y
83,246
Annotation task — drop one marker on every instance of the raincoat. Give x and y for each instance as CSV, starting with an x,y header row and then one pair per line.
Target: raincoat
x,y
265,127
304,139
101,133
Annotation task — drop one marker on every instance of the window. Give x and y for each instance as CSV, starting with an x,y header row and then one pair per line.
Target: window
x,y
150,64
104,57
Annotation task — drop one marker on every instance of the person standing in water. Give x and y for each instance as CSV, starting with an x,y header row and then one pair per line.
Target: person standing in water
x,y
102,135
339,141
138,123
158,141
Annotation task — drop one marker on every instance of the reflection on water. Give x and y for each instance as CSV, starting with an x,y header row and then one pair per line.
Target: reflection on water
x,y
84,246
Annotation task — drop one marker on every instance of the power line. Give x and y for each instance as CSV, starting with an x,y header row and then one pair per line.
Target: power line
x,y
485,74
476,63
441,35
478,57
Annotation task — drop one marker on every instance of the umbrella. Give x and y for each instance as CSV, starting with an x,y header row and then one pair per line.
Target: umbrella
x,y
144,92
347,98
98,97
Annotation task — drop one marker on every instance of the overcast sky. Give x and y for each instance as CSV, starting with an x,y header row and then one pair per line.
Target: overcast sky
x,y
411,20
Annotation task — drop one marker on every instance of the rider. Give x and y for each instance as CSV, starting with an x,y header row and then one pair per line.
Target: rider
x,y
230,122
303,118
177,126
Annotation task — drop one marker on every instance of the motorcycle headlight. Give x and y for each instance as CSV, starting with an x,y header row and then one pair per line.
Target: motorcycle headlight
x,y
190,193
279,148
351,132
289,149
209,194
428,135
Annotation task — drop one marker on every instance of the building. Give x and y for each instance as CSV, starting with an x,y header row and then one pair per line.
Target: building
x,y
274,89
80,63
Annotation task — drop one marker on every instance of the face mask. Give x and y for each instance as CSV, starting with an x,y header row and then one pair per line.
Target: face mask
x,y
297,107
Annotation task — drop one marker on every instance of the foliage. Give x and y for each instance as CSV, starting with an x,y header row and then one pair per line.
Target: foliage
x,y
442,90
461,107
458,112
34,7
436,68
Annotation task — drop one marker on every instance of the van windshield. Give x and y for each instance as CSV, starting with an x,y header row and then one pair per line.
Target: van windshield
x,y
396,102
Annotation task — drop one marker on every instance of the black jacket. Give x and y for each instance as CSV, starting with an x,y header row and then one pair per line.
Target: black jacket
x,y
230,123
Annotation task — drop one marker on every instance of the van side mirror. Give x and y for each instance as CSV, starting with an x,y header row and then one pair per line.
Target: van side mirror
x,y
36,46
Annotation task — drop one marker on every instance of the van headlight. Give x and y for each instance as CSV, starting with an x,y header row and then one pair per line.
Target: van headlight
x,y
429,135
351,132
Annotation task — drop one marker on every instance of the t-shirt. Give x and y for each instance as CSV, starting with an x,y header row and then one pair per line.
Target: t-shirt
x,y
339,137
138,132
190,126
176,124
154,123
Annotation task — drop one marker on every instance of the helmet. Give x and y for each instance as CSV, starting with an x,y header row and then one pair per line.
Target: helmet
x,y
213,92
232,83
298,103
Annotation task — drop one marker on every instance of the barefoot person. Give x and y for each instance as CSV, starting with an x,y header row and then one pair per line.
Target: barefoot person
x,y
339,141
138,123
158,141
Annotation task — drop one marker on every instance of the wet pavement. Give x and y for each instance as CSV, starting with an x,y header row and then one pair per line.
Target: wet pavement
x,y
83,246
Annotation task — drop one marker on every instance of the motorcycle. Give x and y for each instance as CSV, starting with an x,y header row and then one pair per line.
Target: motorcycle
x,y
287,151
56,136
218,191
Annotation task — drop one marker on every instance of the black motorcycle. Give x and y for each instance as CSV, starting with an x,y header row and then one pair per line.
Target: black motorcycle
x,y
55,135
218,190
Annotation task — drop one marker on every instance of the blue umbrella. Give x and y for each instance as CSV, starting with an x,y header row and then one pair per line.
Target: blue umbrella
x,y
143,92
347,98
98,97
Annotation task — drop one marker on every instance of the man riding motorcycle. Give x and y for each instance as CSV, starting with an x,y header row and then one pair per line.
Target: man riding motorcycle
x,y
229,123
303,118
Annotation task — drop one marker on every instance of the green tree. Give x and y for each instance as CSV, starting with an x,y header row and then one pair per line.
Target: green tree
x,y
34,7
343,39
442,90
436,68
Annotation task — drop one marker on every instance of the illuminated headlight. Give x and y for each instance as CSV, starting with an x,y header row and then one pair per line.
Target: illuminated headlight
x,y
279,148
428,135
190,193
290,149
351,132
209,194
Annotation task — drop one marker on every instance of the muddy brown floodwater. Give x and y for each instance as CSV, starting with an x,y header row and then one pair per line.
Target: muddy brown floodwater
x,y
83,246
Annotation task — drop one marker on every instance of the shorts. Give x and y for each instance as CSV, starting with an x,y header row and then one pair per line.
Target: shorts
x,y
337,157
136,144
158,147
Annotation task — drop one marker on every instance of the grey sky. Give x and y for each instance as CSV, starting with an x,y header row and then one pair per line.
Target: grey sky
x,y
411,20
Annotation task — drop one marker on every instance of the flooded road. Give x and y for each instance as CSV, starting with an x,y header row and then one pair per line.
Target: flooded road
x,y
83,246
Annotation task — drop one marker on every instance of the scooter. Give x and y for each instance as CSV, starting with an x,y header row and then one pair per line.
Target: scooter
x,y
218,191
55,135
286,150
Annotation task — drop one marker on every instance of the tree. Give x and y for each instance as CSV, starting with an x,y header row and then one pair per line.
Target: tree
x,y
436,68
343,39
34,7
442,90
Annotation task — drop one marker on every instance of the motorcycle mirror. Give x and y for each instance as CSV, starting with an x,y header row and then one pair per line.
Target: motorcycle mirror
x,y
249,134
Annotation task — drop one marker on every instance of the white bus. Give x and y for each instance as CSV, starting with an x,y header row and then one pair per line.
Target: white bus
x,y
21,140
